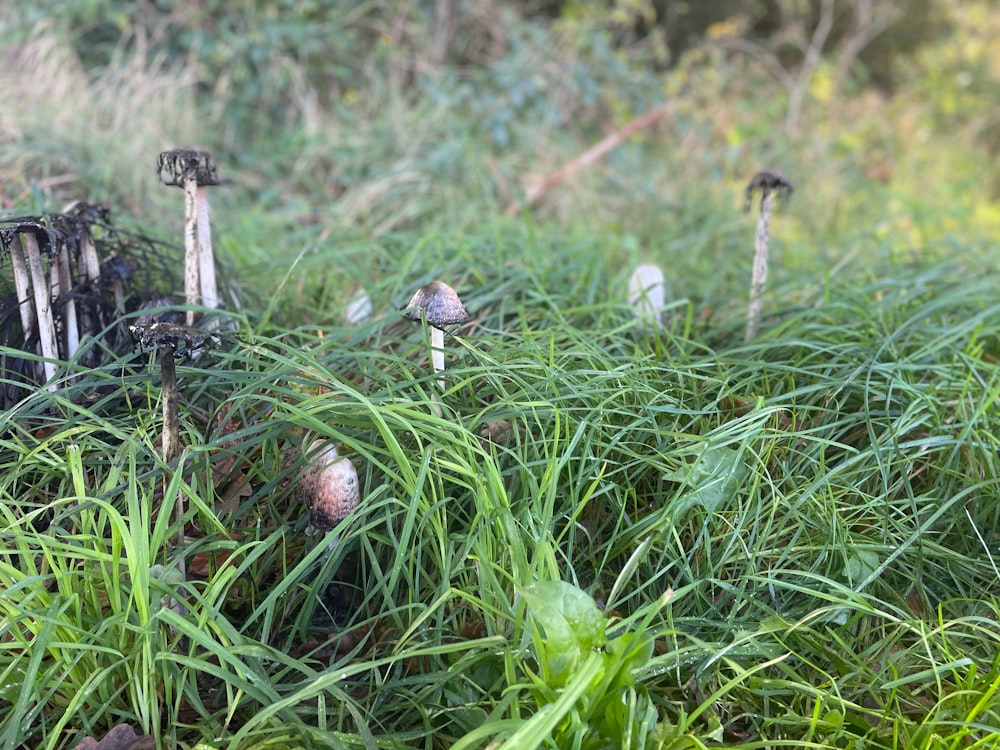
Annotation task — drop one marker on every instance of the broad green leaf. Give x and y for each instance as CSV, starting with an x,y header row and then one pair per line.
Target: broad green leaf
x,y
713,478
571,627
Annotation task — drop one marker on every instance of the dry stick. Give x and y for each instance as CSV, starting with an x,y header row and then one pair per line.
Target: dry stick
x,y
758,278
43,307
589,157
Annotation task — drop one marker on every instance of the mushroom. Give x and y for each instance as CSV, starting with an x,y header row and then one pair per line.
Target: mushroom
x,y
172,341
43,304
769,183
646,296
62,292
194,170
22,282
359,309
439,305
329,488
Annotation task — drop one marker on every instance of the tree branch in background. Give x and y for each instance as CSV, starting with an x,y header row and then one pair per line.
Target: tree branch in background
x,y
594,154
813,53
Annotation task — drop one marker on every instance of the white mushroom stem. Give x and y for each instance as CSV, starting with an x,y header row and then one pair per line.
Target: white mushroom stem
x,y
22,283
437,354
206,258
192,253
89,260
62,286
43,307
758,278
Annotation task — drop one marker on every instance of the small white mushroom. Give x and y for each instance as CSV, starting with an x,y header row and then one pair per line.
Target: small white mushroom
x,y
359,308
646,295
329,488
440,306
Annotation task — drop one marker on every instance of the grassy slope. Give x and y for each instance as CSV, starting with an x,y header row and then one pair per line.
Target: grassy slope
x,y
819,507
821,502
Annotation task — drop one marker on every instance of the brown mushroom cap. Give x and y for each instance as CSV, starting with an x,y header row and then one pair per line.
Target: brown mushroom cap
x,y
438,303
329,487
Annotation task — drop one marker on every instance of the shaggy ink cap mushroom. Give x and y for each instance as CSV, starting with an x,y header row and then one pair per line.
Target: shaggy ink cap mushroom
x,y
438,304
174,167
329,488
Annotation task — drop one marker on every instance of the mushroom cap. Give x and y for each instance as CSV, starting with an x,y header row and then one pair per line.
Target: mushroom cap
x,y
438,303
647,293
329,487
173,167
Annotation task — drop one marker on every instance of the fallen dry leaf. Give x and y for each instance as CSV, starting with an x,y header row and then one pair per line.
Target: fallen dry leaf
x,y
121,737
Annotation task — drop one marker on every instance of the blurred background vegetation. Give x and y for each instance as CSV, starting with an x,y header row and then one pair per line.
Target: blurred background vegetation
x,y
335,121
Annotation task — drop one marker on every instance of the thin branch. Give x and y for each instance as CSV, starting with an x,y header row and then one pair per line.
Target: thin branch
x,y
809,64
592,155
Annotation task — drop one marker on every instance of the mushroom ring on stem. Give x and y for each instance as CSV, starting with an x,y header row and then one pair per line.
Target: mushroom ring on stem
x,y
440,306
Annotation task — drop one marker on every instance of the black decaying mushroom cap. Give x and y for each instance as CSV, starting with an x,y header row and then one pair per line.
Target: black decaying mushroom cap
x,y
182,339
173,167
438,303
766,182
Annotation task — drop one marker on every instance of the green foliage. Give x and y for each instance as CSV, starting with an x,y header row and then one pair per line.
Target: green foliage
x,y
594,536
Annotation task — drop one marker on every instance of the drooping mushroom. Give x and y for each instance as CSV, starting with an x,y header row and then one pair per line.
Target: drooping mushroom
x,y
440,306
193,170
329,488
769,184
646,296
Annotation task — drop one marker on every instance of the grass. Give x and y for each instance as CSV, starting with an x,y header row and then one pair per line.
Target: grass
x,y
801,529
609,537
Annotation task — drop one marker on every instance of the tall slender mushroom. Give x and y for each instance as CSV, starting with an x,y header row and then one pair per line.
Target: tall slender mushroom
x,y
193,170
769,184
171,341
439,305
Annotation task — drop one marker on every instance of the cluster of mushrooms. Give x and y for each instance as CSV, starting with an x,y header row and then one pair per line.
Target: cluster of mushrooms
x,y
330,486
57,269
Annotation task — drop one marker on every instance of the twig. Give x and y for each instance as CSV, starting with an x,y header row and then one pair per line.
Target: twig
x,y
590,156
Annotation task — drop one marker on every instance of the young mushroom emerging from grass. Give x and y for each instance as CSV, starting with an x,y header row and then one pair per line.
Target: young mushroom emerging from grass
x,y
440,306
329,488
647,293
769,185
193,170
